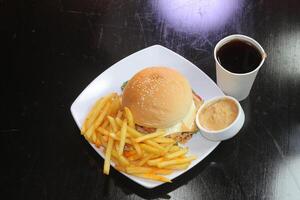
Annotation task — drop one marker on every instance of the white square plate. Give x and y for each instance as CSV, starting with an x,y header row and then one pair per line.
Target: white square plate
x,y
112,79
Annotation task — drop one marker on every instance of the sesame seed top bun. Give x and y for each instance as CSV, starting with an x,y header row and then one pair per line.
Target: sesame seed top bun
x,y
158,97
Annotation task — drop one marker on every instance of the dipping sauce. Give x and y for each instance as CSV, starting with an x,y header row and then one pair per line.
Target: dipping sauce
x,y
218,115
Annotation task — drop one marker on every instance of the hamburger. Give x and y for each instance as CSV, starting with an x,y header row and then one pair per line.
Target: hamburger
x,y
161,98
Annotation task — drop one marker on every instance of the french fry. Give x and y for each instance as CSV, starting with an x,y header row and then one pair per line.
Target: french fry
x,y
122,137
154,162
127,141
154,177
154,144
115,106
144,160
92,115
174,148
134,157
176,161
98,143
95,111
177,153
103,131
150,149
134,133
105,138
103,143
149,136
114,160
107,156
116,147
138,170
137,147
163,140
165,144
89,133
167,149
162,171
102,115
113,135
113,123
93,139
105,123
178,167
131,131
129,117
98,121
120,168
122,160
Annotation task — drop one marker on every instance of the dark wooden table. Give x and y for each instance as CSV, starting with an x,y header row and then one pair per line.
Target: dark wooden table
x,y
51,50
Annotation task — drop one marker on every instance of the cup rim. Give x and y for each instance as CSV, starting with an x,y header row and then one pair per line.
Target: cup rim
x,y
210,101
244,38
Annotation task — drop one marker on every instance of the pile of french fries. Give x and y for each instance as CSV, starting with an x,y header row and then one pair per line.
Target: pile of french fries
x,y
150,156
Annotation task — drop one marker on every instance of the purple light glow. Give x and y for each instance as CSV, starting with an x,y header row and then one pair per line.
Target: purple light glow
x,y
196,15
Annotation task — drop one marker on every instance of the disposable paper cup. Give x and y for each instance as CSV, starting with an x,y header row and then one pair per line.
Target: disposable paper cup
x,y
237,85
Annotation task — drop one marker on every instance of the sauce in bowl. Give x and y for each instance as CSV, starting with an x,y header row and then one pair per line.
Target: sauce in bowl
x,y
218,115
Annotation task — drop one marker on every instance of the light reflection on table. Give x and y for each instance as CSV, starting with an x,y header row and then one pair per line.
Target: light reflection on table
x,y
196,16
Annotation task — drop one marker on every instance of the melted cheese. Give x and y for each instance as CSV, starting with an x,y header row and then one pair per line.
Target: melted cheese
x,y
186,124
